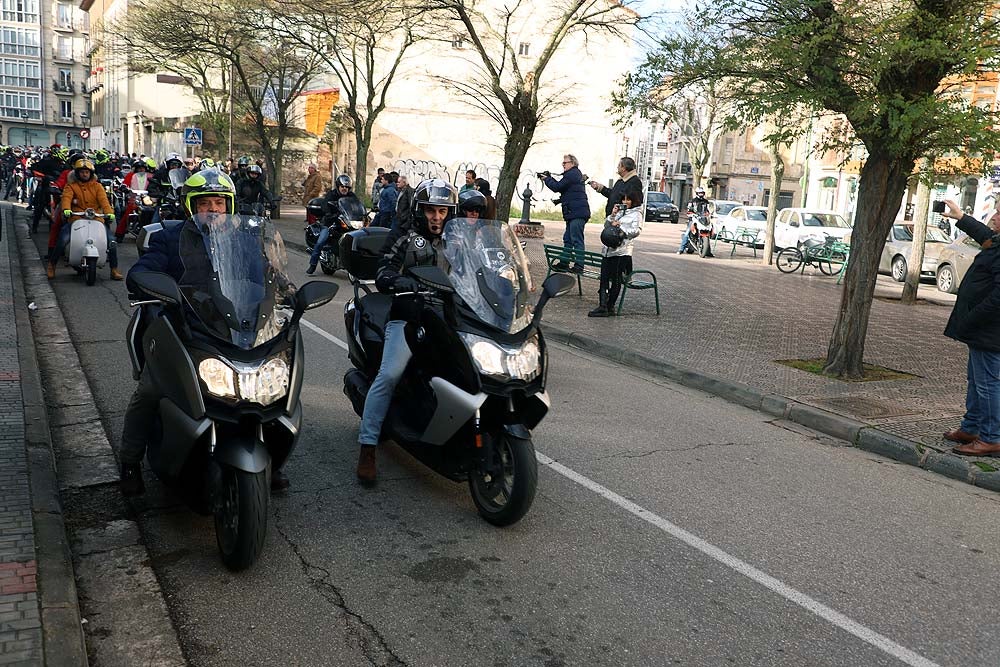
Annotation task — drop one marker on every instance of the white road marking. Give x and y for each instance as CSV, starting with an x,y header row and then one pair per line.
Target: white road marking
x,y
832,616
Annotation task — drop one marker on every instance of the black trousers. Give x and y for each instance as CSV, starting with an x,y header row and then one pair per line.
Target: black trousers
x,y
139,418
613,272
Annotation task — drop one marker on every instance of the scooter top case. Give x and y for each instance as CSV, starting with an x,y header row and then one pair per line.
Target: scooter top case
x,y
87,238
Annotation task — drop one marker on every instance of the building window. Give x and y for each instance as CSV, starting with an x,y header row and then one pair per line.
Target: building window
x,y
64,16
524,49
15,104
66,109
20,41
22,11
458,42
65,81
64,48
21,73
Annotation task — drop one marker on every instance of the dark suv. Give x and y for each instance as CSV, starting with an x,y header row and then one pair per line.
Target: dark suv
x,y
659,208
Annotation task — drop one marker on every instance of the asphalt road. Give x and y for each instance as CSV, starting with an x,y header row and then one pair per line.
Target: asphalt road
x,y
675,529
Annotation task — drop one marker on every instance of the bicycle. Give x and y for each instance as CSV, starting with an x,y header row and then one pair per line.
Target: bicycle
x,y
823,255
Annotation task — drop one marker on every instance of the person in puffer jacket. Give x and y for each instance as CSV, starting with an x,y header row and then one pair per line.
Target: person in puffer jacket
x,y
575,208
84,191
617,262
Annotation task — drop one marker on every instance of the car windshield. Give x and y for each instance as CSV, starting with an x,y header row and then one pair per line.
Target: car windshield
x,y
935,235
235,278
489,271
657,198
905,233
824,220
756,214
724,207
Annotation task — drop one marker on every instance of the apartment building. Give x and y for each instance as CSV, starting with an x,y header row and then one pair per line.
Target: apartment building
x,y
43,71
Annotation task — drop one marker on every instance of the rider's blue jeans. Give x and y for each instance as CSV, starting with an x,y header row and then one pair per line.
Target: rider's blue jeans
x,y
63,241
395,357
318,248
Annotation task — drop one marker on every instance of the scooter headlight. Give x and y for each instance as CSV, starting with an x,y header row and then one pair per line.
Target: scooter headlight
x,y
500,361
218,377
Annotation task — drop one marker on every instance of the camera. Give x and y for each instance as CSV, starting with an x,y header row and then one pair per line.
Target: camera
x,y
557,201
938,207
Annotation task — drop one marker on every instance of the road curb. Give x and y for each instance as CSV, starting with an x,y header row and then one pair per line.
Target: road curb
x,y
62,631
859,434
81,461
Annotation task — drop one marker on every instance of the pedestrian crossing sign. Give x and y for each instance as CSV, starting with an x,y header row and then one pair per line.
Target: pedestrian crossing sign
x,y
192,136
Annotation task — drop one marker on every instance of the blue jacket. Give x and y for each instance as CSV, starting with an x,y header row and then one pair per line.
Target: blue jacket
x,y
163,256
574,194
387,205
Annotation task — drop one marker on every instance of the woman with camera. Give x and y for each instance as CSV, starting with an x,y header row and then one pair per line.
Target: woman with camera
x,y
575,208
618,236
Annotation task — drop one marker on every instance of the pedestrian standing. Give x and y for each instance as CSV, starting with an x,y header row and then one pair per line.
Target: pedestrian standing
x,y
470,181
377,187
491,204
975,321
628,181
312,186
575,209
403,213
387,201
618,236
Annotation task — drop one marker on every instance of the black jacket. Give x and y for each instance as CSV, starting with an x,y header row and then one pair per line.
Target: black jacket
x,y
975,319
252,191
405,248
573,191
616,193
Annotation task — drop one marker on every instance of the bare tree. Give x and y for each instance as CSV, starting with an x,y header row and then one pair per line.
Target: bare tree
x,y
513,91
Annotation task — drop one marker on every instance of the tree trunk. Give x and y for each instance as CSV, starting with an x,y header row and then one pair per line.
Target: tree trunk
x,y
916,259
515,149
362,135
883,181
777,175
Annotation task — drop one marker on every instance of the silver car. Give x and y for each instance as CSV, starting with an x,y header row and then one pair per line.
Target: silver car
x,y
955,260
897,249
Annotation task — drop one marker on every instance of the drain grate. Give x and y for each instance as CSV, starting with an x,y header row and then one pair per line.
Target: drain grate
x,y
862,407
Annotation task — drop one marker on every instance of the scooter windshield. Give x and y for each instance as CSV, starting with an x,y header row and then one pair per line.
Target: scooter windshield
x,y
352,209
488,271
177,177
235,277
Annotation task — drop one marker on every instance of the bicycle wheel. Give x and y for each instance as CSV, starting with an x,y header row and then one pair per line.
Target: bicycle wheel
x,y
832,262
789,260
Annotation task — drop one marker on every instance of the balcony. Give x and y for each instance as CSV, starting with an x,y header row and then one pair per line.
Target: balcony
x,y
62,87
62,57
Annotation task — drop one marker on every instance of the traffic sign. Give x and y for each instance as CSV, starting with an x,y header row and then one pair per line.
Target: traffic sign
x,y
85,134
192,136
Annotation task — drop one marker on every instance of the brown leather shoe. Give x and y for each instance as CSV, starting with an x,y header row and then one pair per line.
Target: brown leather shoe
x,y
978,448
958,435
366,464
116,275
50,271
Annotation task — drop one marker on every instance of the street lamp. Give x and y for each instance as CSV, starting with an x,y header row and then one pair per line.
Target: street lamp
x,y
24,117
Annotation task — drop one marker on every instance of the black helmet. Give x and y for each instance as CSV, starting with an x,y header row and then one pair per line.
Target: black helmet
x,y
472,200
433,192
344,180
243,161
612,237
139,163
254,169
209,182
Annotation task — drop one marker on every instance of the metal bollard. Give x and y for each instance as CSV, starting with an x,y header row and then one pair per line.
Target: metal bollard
x,y
526,205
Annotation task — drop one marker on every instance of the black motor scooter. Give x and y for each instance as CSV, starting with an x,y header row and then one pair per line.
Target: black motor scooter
x,y
347,215
224,351
476,384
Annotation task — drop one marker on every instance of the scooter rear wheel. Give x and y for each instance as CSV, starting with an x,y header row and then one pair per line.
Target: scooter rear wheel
x,y
241,517
503,499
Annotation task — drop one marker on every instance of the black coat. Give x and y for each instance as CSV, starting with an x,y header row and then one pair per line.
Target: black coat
x,y
616,193
573,191
975,319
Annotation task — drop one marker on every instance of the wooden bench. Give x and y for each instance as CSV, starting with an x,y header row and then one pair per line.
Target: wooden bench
x,y
591,268
749,237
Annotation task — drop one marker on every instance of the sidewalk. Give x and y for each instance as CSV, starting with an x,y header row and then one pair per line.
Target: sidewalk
x,y
39,616
728,320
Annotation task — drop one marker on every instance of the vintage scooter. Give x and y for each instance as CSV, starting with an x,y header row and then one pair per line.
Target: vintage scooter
x,y
88,243
476,384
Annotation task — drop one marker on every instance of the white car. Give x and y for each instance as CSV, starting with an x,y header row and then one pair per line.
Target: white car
x,y
722,208
749,217
794,225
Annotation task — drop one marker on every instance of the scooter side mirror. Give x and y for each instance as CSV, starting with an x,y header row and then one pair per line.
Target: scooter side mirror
x,y
433,276
555,285
158,286
314,294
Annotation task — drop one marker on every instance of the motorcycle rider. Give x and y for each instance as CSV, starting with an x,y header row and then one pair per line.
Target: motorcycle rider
x,y
161,178
341,188
434,203
84,191
46,171
697,206
209,191
103,165
251,191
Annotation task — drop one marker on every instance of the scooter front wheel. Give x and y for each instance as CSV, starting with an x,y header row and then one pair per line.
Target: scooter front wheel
x,y
504,488
241,517
91,271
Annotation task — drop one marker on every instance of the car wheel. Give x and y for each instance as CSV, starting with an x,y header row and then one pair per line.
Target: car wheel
x,y
898,269
946,279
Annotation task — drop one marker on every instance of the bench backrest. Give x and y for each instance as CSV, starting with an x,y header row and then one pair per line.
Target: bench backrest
x,y
554,252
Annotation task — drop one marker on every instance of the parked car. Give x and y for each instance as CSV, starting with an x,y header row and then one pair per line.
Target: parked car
x,y
899,244
751,217
795,225
954,260
722,208
660,208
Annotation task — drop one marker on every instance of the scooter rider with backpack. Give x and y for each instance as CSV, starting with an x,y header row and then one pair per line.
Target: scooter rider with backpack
x,y
208,191
434,203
